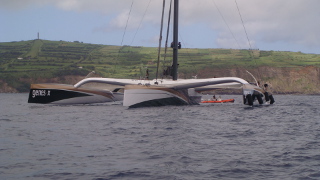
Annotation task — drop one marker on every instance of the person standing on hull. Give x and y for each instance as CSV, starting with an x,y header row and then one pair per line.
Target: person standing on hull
x,y
267,94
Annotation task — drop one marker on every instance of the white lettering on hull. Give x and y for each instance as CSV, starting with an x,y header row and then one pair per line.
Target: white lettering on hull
x,y
40,93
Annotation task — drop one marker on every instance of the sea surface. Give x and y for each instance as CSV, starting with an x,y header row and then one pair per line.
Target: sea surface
x,y
211,141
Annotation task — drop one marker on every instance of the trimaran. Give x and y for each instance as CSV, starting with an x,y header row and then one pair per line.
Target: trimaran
x,y
154,93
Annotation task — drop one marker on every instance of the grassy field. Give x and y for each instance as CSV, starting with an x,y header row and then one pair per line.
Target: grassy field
x,y
48,59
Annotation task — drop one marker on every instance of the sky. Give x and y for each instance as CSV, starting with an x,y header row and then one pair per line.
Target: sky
x,y
278,25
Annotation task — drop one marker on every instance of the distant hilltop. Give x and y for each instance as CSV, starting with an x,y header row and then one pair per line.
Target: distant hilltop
x,y
35,61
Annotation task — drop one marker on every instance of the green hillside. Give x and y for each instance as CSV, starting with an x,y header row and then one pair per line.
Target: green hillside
x,y
27,61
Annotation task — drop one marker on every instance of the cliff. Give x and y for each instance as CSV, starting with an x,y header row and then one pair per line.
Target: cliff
x,y
43,61
284,80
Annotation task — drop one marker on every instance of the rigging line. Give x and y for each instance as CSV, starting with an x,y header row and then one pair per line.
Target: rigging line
x,y
125,29
250,50
140,23
166,43
224,20
227,25
160,39
243,24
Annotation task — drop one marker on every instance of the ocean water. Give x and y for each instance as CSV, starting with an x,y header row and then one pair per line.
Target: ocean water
x,y
109,141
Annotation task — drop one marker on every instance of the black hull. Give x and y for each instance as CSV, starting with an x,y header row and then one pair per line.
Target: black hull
x,y
67,94
45,96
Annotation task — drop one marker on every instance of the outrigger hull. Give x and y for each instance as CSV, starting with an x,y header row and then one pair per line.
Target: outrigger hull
x,y
50,93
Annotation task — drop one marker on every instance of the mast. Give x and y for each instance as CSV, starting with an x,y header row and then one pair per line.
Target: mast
x,y
175,40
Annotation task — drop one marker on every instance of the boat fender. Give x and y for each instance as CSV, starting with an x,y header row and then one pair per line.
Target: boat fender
x,y
259,99
253,97
249,99
266,95
271,99
244,99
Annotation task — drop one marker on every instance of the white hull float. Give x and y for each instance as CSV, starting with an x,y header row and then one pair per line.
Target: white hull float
x,y
155,95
